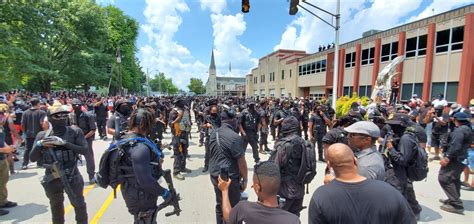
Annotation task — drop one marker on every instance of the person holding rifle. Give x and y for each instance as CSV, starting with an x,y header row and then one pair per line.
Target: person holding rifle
x,y
60,147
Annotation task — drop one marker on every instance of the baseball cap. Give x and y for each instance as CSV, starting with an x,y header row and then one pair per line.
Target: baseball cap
x,y
399,119
461,116
365,128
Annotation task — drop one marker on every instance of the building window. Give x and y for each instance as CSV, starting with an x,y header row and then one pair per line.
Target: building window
x,y
448,89
317,96
272,92
290,73
313,68
364,91
262,78
389,51
323,65
350,60
367,56
282,74
416,46
444,37
255,92
282,92
409,89
347,91
255,79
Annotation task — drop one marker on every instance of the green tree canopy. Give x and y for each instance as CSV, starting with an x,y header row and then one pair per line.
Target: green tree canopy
x,y
196,86
163,85
66,45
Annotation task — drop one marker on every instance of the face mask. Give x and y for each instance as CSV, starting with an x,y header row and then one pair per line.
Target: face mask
x,y
124,109
213,114
59,126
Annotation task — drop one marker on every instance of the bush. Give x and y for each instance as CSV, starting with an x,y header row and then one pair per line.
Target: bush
x,y
343,104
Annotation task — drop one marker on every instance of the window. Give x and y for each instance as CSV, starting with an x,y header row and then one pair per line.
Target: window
x,y
347,91
255,80
365,91
272,76
300,70
323,65
389,51
443,38
282,74
262,78
272,92
313,68
290,73
255,92
282,92
367,56
316,96
350,60
409,89
262,92
448,89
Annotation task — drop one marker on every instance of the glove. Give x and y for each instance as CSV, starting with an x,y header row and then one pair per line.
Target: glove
x,y
53,140
168,197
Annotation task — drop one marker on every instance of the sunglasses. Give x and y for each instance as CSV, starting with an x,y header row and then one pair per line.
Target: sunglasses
x,y
350,135
59,116
255,168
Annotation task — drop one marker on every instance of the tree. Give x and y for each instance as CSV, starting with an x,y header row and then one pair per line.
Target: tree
x,y
163,85
196,86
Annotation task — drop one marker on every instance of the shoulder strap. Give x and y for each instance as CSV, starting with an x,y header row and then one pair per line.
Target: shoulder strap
x,y
145,141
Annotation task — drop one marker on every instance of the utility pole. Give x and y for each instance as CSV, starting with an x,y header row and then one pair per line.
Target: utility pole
x,y
119,61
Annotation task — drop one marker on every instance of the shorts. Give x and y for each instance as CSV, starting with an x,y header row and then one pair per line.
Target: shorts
x,y
439,140
469,161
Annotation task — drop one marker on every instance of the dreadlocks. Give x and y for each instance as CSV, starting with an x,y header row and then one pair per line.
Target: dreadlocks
x,y
142,119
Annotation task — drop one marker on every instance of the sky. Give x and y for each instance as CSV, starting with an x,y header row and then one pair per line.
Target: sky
x,y
176,37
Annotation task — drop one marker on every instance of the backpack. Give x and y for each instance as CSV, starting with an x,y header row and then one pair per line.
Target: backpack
x,y
418,167
109,173
307,170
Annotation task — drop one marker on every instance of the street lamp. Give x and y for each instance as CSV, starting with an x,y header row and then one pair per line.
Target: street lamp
x,y
119,62
337,16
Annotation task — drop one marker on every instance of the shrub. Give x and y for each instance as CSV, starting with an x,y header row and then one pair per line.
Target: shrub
x,y
343,104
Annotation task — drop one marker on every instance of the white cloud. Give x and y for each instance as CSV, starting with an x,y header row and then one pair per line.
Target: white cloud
x,y
163,53
439,6
215,6
306,32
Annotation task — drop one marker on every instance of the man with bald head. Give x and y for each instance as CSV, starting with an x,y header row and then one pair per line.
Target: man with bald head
x,y
352,198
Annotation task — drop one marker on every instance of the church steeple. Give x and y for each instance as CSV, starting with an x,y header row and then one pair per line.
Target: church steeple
x,y
212,66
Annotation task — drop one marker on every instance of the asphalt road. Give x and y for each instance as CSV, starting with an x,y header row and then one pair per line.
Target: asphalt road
x,y
198,203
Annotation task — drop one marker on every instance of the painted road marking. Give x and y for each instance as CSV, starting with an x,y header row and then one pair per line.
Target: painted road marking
x,y
104,207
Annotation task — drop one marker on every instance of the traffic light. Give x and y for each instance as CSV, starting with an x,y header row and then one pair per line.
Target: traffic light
x,y
245,6
294,6
109,68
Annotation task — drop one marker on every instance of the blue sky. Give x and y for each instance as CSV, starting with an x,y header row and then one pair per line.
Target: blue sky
x,y
176,36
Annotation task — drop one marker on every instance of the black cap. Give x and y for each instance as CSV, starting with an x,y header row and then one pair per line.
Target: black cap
x,y
399,119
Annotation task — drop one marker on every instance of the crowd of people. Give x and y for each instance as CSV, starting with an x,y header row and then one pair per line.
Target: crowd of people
x,y
375,151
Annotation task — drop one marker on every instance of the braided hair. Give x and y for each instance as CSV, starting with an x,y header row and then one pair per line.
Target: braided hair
x,y
143,119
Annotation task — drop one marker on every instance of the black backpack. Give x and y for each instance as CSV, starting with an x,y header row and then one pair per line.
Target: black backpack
x,y
418,167
307,170
109,173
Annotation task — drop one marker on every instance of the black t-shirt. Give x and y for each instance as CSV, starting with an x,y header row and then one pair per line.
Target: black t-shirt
x,y
252,212
32,120
369,201
438,128
228,154
101,111
319,125
249,121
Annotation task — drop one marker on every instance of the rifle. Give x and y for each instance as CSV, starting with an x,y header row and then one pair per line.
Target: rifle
x,y
57,171
175,196
383,150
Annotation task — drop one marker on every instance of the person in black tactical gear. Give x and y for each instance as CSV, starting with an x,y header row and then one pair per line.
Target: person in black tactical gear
x,y
226,153
264,129
212,121
101,112
304,111
86,122
141,169
281,115
273,108
117,125
180,124
288,156
401,152
451,165
199,116
249,125
318,124
32,123
60,148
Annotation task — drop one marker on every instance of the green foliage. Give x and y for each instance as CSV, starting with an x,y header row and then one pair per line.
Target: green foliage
x,y
196,86
163,85
343,104
66,45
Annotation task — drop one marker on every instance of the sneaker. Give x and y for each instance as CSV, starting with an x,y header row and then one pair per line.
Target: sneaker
x,y
205,169
9,204
267,150
262,152
465,184
200,144
178,176
24,167
92,181
186,170
443,201
3,212
435,158
450,208
468,188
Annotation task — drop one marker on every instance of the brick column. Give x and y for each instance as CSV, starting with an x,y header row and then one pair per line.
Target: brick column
x,y
466,79
429,62
340,78
401,51
357,69
376,68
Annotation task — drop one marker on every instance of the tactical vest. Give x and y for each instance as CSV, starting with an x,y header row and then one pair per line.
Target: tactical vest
x,y
125,167
250,122
185,122
66,157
